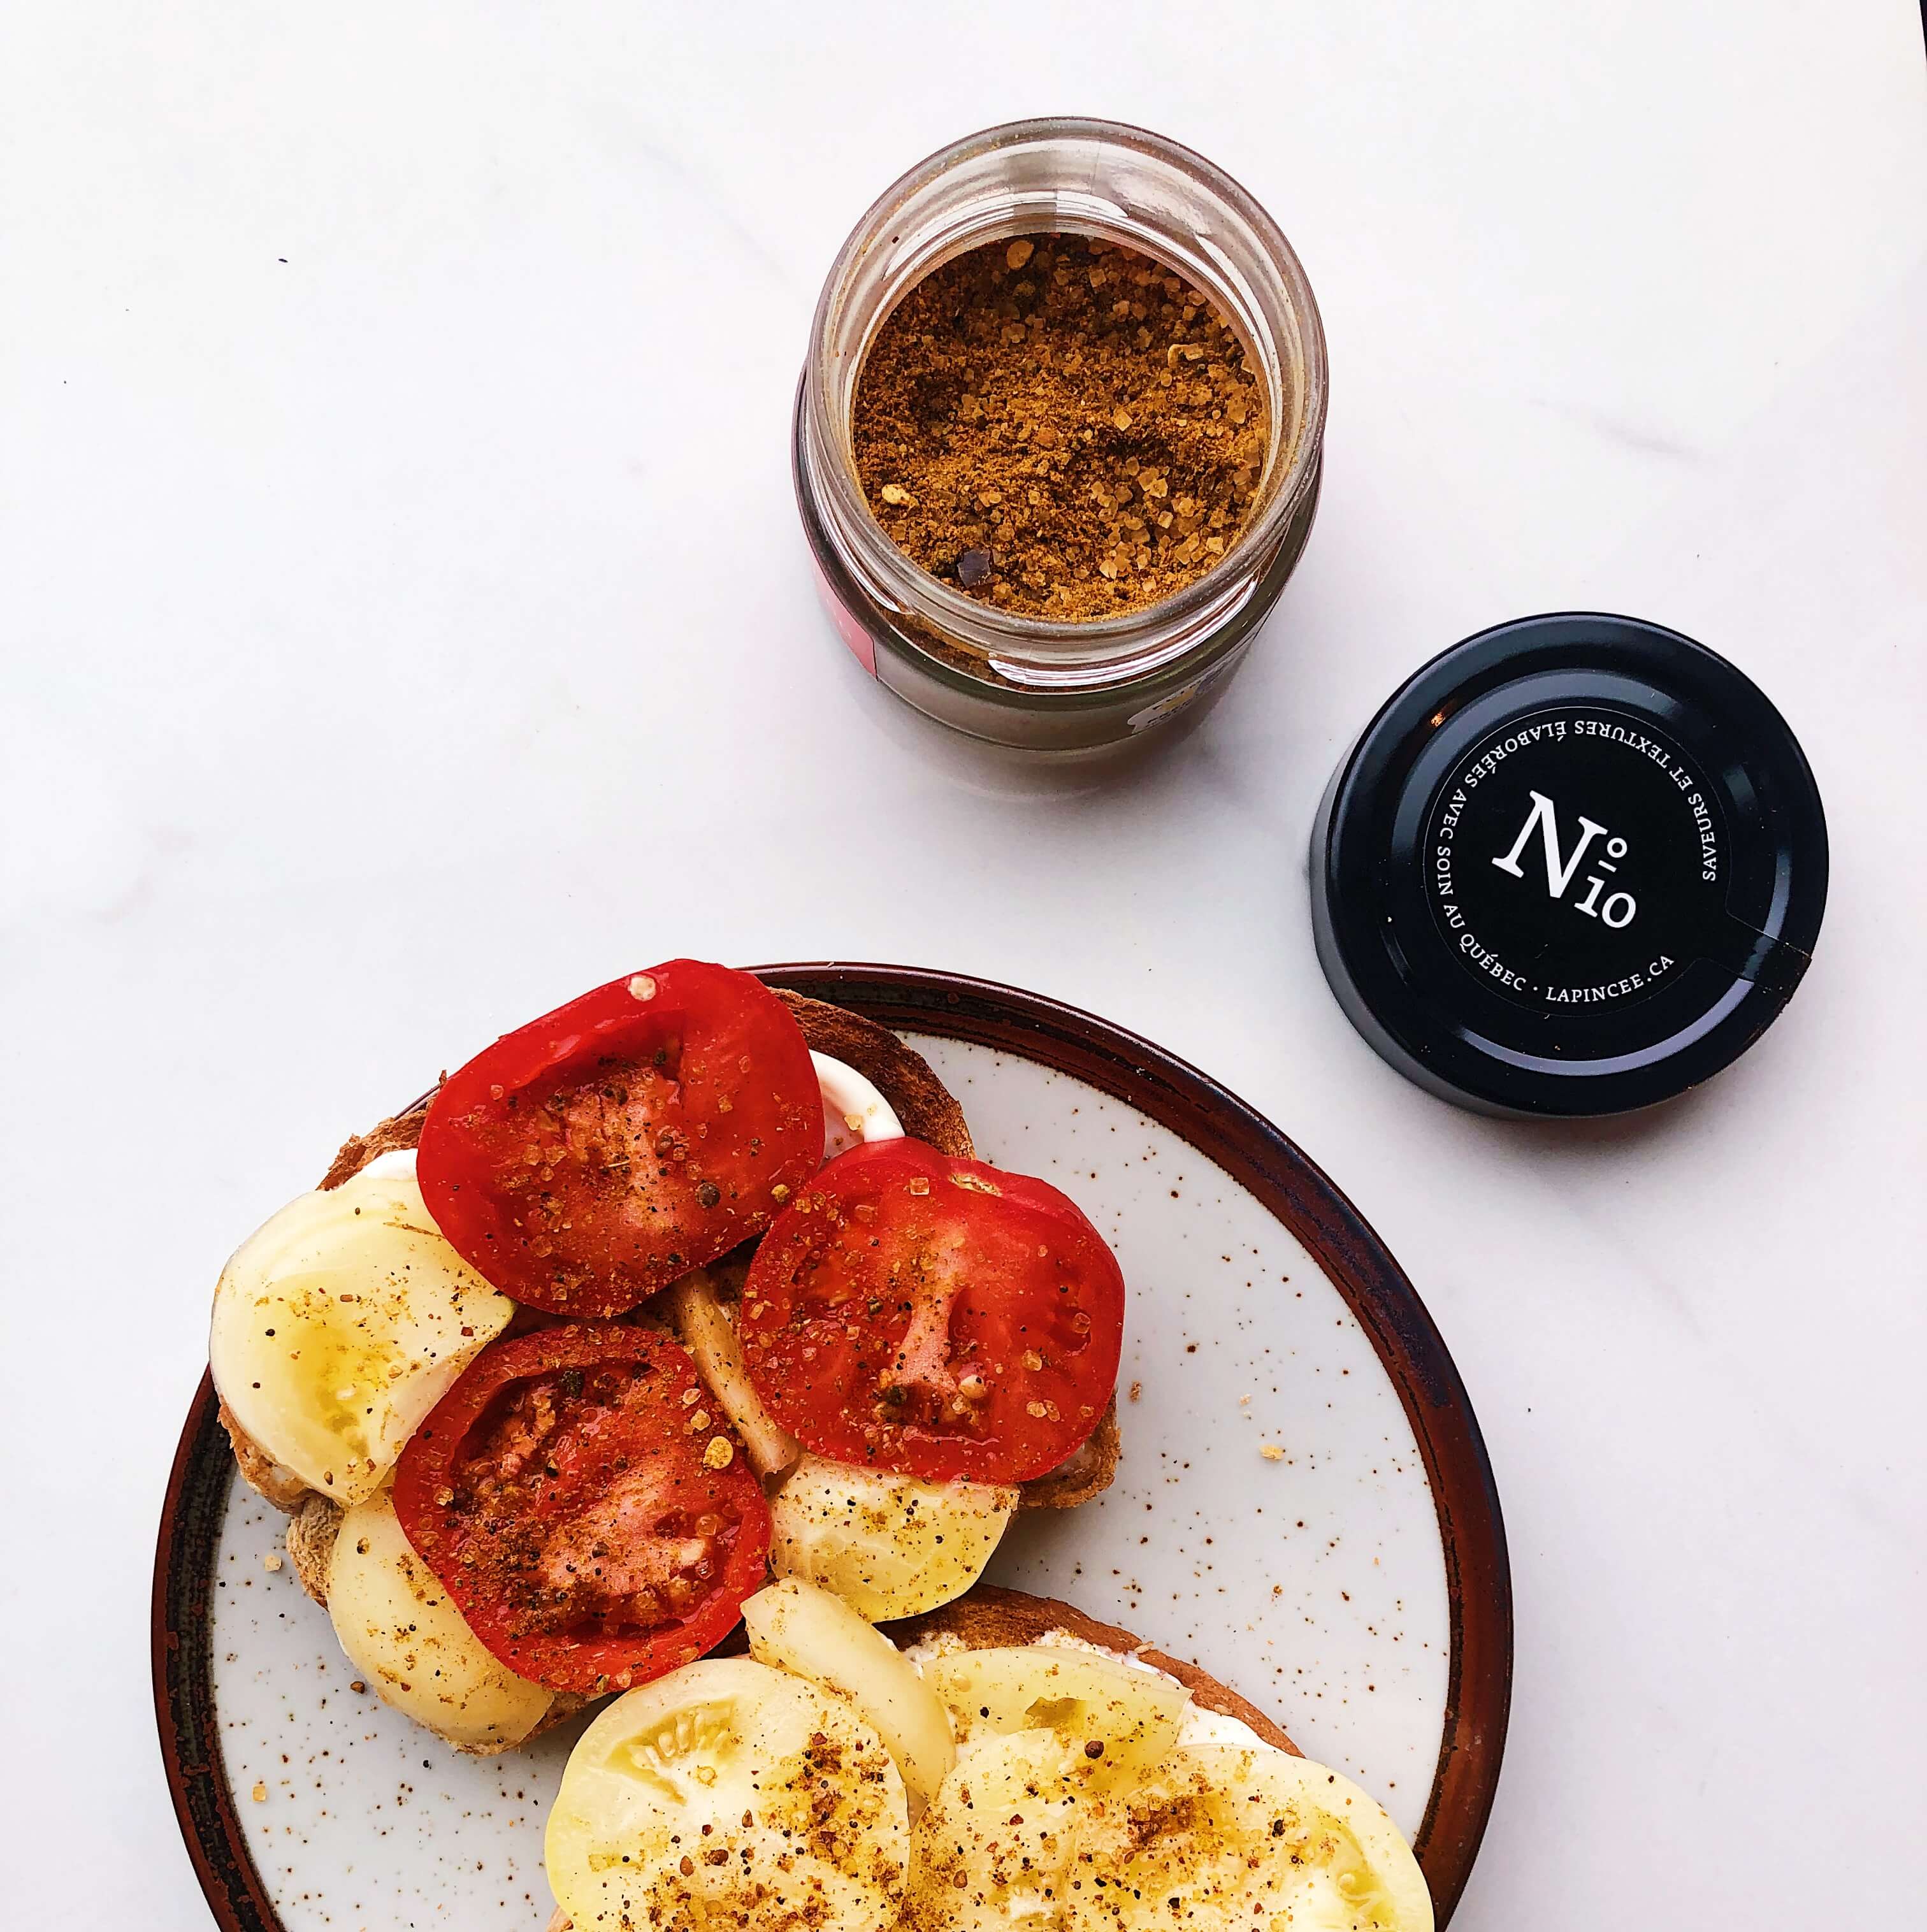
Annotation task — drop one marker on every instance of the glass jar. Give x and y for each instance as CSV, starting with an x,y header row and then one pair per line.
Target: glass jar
x,y
1011,678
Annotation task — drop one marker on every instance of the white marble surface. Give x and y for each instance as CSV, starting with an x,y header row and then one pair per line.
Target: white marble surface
x,y
405,626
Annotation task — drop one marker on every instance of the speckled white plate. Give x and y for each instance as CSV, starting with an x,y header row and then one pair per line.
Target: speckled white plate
x,y
1304,1506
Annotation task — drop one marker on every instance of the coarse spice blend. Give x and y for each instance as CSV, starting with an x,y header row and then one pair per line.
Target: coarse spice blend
x,y
1059,426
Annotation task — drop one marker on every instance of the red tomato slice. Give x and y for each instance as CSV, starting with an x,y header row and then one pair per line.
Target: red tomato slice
x,y
937,1318
585,1503
590,1158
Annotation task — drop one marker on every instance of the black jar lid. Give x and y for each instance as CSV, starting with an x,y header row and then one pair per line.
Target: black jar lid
x,y
1576,866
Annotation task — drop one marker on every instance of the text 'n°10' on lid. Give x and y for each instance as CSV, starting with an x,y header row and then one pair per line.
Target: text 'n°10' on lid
x,y
1576,866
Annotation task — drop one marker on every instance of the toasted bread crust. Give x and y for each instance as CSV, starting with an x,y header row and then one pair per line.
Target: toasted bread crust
x,y
923,1105
1085,1472
272,1480
311,1533
396,1133
986,1617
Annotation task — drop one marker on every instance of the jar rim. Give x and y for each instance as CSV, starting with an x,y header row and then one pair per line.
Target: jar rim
x,y
1187,615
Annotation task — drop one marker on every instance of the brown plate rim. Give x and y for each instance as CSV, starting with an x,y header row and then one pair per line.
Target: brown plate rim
x,y
1198,1109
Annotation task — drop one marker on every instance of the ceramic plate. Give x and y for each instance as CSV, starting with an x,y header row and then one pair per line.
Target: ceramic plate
x,y
1304,1506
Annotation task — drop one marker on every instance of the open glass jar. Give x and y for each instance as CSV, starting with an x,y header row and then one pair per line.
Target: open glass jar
x,y
1001,675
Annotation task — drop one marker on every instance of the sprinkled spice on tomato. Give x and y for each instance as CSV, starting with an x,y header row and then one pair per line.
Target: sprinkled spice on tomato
x,y
590,1158
585,1502
934,1317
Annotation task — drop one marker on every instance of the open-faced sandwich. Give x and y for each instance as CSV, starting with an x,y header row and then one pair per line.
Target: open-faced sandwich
x,y
690,1285
686,1281
1003,1761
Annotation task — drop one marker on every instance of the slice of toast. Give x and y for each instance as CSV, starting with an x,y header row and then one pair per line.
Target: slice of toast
x,y
925,1107
922,1103
988,1617
927,1111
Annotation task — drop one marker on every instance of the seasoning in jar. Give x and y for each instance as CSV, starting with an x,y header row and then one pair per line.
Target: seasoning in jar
x,y
1059,426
